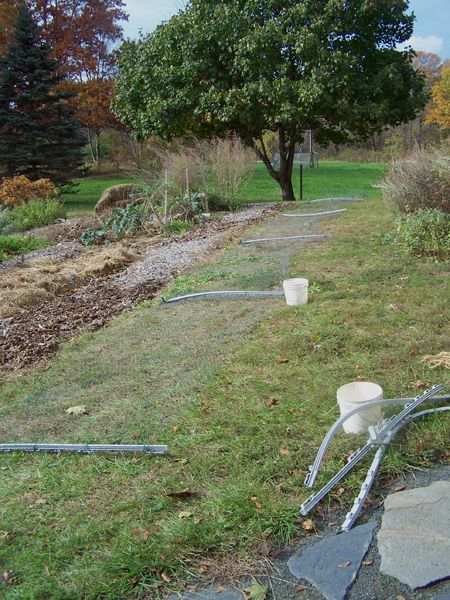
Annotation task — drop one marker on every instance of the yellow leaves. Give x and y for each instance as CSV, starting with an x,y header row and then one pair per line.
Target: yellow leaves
x,y
439,111
345,564
284,452
256,502
308,526
176,427
77,410
185,514
257,591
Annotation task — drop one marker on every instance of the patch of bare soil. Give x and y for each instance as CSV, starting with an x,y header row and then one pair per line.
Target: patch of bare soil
x,y
49,301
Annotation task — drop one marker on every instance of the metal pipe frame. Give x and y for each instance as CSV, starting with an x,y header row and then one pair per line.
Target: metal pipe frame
x,y
358,504
337,199
291,237
378,436
237,293
319,214
83,448
314,468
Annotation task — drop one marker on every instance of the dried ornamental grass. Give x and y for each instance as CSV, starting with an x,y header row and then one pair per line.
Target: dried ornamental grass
x,y
419,181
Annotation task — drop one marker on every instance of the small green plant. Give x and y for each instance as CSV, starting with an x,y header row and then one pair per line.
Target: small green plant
x,y
12,245
92,236
121,222
177,227
32,214
425,233
126,221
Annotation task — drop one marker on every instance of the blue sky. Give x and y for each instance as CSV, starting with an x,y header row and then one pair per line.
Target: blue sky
x,y
431,31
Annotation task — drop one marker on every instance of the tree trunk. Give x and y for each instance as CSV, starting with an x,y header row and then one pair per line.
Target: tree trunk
x,y
284,175
287,190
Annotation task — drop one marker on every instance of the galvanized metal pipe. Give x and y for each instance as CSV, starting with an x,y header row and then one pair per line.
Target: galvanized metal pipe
x,y
354,512
314,468
237,293
384,434
82,448
291,237
319,214
345,199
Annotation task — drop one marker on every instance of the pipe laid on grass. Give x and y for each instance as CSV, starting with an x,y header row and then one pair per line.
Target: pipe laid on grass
x,y
319,214
291,237
82,448
246,294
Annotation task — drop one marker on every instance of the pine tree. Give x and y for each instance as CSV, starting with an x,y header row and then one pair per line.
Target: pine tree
x,y
39,136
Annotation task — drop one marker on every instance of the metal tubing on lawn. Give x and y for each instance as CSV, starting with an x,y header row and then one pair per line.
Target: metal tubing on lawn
x,y
237,293
316,236
314,468
354,512
317,214
383,436
83,448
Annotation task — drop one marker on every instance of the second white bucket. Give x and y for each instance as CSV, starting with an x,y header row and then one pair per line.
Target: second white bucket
x,y
355,394
296,291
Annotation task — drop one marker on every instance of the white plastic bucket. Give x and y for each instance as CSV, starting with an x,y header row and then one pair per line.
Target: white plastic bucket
x,y
355,394
296,291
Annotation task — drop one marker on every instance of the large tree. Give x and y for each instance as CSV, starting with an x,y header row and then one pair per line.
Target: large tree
x,y
39,136
250,66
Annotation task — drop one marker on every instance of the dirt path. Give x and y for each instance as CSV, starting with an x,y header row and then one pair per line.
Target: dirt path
x,y
75,298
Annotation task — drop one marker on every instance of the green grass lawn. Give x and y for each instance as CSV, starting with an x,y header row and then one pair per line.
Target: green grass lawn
x,y
242,392
331,178
88,193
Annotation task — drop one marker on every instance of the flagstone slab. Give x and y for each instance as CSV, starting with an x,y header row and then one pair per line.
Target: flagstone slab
x,y
332,564
414,539
210,594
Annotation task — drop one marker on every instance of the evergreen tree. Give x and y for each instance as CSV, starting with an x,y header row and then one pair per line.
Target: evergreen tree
x,y
39,136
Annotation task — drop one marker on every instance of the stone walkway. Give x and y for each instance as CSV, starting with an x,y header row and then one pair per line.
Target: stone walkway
x,y
401,552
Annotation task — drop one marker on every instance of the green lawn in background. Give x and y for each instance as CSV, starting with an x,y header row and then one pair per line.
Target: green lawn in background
x,y
330,178
88,193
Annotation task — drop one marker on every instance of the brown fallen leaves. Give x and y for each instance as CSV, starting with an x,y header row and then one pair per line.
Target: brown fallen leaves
x,y
308,525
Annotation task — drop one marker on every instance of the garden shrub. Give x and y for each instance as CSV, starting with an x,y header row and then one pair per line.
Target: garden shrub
x,y
11,245
15,191
32,214
426,232
418,182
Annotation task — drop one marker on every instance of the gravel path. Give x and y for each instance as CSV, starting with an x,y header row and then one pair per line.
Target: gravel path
x,y
59,253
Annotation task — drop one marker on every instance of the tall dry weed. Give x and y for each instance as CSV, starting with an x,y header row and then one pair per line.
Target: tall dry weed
x,y
419,181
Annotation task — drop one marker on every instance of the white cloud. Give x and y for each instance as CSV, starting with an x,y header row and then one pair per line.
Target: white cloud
x,y
429,43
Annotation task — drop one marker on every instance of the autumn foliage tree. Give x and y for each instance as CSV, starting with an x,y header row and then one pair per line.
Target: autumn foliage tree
x,y
439,110
84,35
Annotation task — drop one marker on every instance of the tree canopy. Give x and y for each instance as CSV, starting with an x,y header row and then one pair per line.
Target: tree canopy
x,y
250,66
39,136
